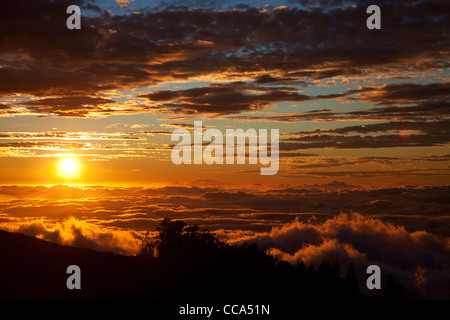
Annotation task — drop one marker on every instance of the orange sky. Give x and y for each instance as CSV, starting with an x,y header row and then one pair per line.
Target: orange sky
x,y
364,107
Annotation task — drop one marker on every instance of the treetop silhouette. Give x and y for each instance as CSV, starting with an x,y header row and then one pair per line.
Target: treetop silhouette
x,y
195,262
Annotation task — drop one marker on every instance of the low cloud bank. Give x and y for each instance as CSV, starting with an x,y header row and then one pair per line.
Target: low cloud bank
x,y
419,260
77,233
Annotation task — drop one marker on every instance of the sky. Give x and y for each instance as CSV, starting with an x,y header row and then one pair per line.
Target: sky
x,y
363,120
350,103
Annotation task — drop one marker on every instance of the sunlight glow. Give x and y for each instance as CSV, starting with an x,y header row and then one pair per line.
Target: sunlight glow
x,y
69,167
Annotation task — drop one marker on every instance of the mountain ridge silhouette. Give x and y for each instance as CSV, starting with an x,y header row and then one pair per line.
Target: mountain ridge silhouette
x,y
193,265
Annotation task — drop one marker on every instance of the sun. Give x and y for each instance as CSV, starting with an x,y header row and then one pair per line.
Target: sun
x,y
69,167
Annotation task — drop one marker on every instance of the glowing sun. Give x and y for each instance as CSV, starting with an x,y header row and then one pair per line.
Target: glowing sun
x,y
69,167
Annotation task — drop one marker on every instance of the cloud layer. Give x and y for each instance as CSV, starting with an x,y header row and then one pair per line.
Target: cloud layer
x,y
364,241
403,230
69,72
79,233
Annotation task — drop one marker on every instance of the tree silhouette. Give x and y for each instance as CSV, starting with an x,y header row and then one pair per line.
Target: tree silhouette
x,y
394,291
175,239
351,282
195,263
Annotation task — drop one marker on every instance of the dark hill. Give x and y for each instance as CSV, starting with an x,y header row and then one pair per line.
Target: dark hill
x,y
31,268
